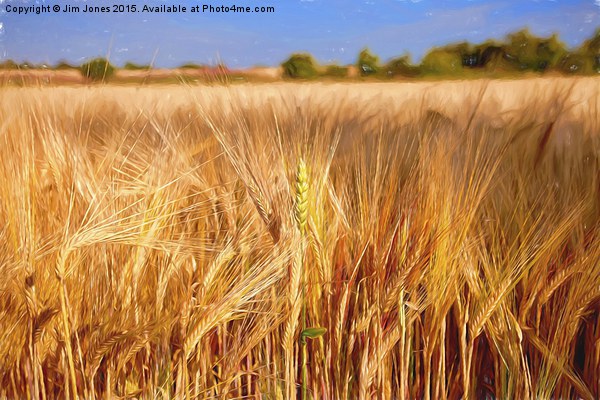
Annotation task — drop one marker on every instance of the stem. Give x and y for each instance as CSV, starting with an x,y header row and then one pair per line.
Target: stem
x,y
304,355
63,295
67,334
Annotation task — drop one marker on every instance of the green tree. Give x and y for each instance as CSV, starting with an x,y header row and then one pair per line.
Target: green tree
x,y
64,65
591,46
191,66
300,66
367,64
135,67
442,61
578,64
520,50
401,66
98,69
9,64
526,51
489,55
336,71
591,49
549,53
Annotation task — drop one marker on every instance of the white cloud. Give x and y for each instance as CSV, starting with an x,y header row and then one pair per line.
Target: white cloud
x,y
589,18
597,2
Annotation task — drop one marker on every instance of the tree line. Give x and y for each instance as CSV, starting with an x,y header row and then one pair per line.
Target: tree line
x,y
520,51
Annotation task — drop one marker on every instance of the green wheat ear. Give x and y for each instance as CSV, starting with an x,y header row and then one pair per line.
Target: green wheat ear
x,y
301,196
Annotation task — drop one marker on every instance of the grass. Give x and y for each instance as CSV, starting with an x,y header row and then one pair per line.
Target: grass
x,y
174,242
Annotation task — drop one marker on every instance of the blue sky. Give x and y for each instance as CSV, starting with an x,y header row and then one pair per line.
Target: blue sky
x,y
332,30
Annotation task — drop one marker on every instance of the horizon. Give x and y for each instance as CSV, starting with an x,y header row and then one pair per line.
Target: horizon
x,y
331,31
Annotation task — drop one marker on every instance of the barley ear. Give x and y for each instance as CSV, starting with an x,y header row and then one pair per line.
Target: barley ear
x,y
301,196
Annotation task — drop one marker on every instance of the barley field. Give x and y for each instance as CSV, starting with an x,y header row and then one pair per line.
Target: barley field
x,y
315,241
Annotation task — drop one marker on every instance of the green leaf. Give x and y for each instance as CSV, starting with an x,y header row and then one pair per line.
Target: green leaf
x,y
313,332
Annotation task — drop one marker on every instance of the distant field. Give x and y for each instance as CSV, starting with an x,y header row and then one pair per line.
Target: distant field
x,y
216,75
50,77
174,241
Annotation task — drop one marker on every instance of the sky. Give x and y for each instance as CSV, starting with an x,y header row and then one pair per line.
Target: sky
x,y
331,30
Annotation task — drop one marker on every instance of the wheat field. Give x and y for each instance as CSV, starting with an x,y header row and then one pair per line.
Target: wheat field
x,y
280,241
